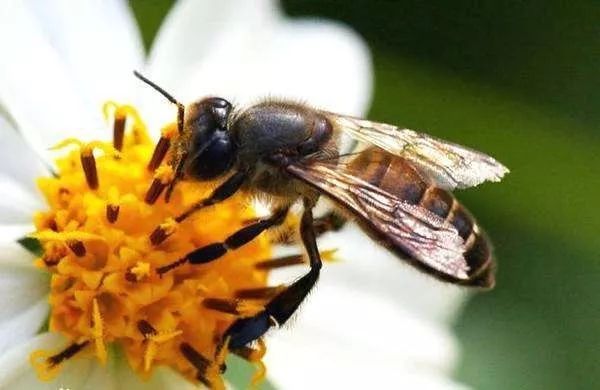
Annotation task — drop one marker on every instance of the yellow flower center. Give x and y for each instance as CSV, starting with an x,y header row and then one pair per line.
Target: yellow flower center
x,y
101,247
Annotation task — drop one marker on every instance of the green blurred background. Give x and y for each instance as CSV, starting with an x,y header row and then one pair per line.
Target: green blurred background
x,y
519,80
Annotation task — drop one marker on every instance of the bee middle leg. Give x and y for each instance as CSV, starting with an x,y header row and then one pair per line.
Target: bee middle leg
x,y
279,309
241,237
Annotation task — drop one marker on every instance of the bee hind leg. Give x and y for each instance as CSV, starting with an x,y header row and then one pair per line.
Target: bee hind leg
x,y
284,304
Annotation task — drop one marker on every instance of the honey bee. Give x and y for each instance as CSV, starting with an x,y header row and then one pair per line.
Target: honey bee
x,y
396,188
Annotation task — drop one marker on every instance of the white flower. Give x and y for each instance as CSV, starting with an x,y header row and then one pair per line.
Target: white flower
x,y
371,321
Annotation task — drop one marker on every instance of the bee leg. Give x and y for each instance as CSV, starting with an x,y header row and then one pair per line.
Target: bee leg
x,y
219,194
241,237
330,222
284,304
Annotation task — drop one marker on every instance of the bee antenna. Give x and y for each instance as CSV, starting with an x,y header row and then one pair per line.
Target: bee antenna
x,y
180,106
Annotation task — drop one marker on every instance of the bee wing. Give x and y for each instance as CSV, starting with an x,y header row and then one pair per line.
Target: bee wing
x,y
450,165
411,231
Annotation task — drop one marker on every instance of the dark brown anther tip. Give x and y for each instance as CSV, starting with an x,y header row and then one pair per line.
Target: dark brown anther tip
x,y
154,191
159,153
146,329
112,213
77,247
88,162
130,277
158,236
119,133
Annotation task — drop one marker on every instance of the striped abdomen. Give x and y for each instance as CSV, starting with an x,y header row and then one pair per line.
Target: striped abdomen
x,y
398,176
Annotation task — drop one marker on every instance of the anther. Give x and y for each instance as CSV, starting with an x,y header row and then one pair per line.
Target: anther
x,y
280,262
196,359
146,329
77,247
119,131
112,212
88,163
66,353
162,147
162,178
163,231
258,293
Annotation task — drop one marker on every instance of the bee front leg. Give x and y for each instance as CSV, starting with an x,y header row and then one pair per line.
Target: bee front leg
x,y
284,304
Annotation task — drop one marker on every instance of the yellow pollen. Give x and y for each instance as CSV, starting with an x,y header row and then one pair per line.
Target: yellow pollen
x,y
98,333
141,270
97,235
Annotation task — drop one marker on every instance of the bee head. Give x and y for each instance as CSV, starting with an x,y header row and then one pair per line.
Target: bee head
x,y
211,151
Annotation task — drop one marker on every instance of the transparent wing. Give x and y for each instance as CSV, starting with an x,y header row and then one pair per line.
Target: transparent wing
x,y
411,230
451,166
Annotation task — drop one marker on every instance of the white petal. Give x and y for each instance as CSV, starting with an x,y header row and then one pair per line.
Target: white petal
x,y
162,378
321,63
99,42
23,325
78,373
17,159
17,203
36,87
367,266
194,28
361,327
197,34
21,284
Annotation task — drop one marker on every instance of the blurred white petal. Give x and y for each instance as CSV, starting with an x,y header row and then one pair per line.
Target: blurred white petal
x,y
194,29
19,161
252,51
99,42
17,203
36,87
23,289
369,267
16,371
321,63
22,325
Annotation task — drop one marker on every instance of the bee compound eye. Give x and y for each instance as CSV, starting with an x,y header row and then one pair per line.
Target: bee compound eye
x,y
213,160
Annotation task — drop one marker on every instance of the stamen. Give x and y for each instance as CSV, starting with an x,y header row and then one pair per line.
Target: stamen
x,y
141,270
280,262
119,132
103,254
98,332
232,306
254,356
258,293
154,338
88,162
162,147
112,212
163,231
146,329
77,247
47,367
286,261
163,176
199,362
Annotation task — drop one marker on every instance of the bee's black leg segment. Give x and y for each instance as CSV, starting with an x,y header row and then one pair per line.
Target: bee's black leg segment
x,y
241,237
219,194
284,304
